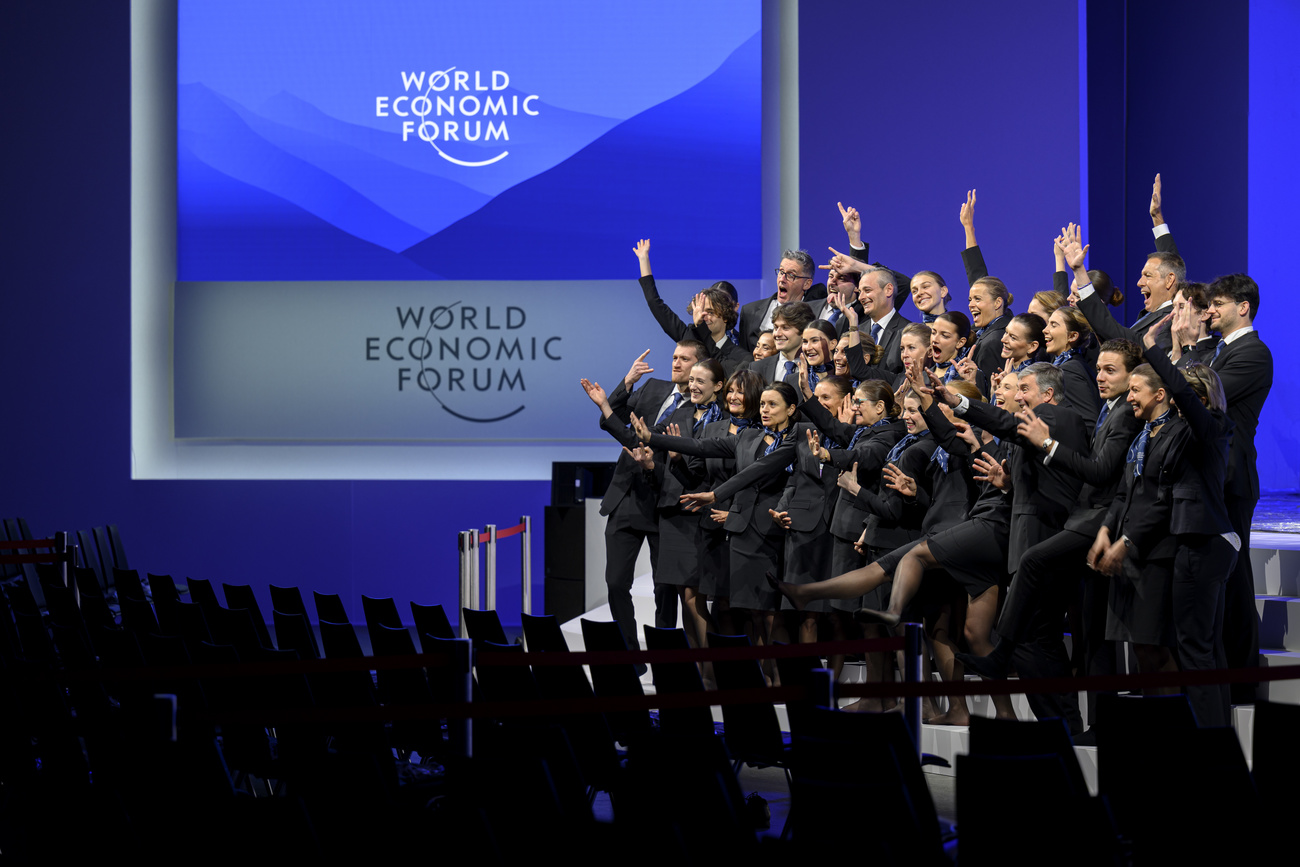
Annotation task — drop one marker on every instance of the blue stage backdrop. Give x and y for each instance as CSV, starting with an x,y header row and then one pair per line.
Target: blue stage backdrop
x,y
335,140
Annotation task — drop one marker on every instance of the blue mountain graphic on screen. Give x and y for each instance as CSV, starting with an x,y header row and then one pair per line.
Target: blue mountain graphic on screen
x,y
288,193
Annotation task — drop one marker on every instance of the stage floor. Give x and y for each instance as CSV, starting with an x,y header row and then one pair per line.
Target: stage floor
x,y
1277,512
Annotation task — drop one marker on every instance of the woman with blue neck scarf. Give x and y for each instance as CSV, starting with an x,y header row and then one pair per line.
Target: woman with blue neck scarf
x,y
1067,339
1134,545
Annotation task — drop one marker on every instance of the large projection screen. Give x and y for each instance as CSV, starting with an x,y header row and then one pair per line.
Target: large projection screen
x,y
384,240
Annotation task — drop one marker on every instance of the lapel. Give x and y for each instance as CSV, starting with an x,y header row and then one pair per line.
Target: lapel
x,y
1229,348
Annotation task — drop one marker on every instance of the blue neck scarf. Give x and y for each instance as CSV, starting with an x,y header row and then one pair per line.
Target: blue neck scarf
x,y
1064,357
777,436
712,413
742,423
940,455
1016,368
1137,453
857,434
815,372
928,318
901,445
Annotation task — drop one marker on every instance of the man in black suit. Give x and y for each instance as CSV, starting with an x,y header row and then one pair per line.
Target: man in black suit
x,y
877,290
1051,571
794,280
788,322
1245,367
629,503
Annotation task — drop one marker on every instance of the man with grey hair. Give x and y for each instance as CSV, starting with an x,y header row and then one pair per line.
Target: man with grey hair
x,y
794,280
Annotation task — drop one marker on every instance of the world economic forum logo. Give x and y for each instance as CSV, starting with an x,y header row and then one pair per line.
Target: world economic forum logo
x,y
444,108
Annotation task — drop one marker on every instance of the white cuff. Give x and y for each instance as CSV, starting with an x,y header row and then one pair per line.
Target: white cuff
x,y
1162,229
853,246
1051,453
1085,291
960,409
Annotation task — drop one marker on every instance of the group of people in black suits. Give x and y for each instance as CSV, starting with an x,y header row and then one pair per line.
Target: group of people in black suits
x,y
1003,478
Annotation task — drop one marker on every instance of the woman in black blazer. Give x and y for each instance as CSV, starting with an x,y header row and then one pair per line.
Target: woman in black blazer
x,y
1207,546
1068,337
757,542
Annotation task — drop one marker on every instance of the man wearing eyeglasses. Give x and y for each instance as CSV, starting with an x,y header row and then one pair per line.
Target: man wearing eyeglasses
x,y
794,279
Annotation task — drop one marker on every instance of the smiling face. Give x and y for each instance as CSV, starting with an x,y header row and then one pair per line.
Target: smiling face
x,y
1028,394
701,385
736,400
765,346
1157,287
928,294
1016,344
1112,376
1004,396
683,361
876,294
866,411
1226,315
984,306
1058,335
786,337
774,411
816,348
791,282
944,342
912,416
828,397
1148,403
841,357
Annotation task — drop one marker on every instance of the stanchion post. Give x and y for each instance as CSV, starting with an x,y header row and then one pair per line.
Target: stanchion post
x,y
912,674
474,597
460,732
821,688
462,545
490,565
61,549
526,566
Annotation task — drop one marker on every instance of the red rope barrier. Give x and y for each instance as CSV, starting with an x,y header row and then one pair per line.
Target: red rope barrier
x,y
27,543
501,534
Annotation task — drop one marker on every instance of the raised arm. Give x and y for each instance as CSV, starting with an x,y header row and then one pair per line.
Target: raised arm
x,y
1091,305
1164,240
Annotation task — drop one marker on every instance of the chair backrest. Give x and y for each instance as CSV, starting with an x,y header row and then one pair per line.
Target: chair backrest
x,y
115,545
88,551
382,610
1036,789
287,599
234,627
87,583
483,626
797,671
339,640
543,634
138,615
242,596
615,679
128,583
676,678
329,606
752,731
1006,737
106,555
186,619
506,683
293,632
201,592
162,588
431,620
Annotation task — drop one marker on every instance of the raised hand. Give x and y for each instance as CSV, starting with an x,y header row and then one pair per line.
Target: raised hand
x,y
781,519
852,223
1032,427
967,217
673,429
1058,250
815,446
695,502
1149,338
804,382
1075,249
967,434
1157,215
899,481
967,369
642,251
643,456
991,471
843,263
639,369
639,428
998,375
940,390
848,480
595,392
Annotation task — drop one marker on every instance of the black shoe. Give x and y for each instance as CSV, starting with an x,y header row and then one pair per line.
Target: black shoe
x,y
995,666
1086,739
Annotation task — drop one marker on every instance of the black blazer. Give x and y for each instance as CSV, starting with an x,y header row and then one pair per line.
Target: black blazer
x,y
891,340
808,498
851,515
1201,463
986,351
729,354
1042,496
1095,309
768,367
1080,390
1246,368
631,488
1100,469
712,472
1143,504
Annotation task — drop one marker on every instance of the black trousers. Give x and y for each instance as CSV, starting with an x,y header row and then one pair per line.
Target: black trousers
x,y
1240,619
1201,570
1033,618
622,545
